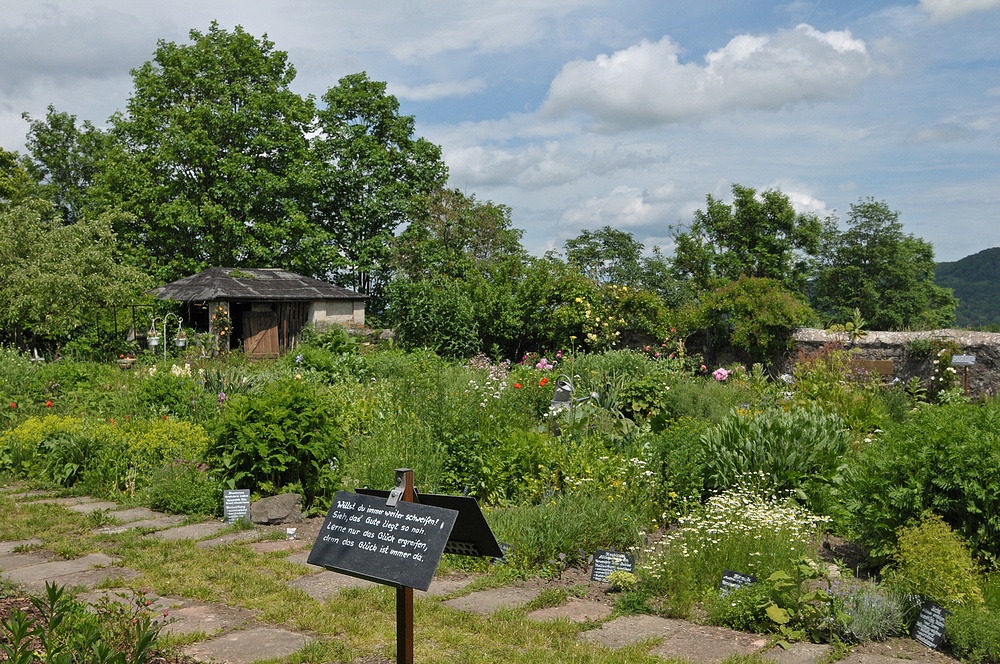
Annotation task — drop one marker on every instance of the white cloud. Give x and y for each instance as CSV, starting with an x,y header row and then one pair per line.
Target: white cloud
x,y
439,90
537,166
946,10
647,84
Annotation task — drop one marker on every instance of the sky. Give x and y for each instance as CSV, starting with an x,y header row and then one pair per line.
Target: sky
x,y
579,114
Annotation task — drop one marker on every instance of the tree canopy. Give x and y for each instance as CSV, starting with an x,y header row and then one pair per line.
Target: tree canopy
x,y
756,236
884,273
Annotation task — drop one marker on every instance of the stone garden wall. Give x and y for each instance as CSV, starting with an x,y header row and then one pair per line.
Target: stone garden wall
x,y
907,360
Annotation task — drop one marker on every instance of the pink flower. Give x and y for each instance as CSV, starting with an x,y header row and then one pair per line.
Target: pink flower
x,y
720,374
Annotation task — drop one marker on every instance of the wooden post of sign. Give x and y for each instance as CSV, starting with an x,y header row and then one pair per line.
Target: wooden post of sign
x,y
404,595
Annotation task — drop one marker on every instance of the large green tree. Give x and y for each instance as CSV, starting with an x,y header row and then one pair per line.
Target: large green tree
x,y
607,255
65,159
52,275
374,172
884,273
758,235
211,158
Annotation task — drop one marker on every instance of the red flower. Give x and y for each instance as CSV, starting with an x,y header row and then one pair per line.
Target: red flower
x,y
164,417
543,382
112,420
13,405
517,386
48,404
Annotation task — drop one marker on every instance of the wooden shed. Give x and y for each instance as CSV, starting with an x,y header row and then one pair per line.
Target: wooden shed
x,y
267,307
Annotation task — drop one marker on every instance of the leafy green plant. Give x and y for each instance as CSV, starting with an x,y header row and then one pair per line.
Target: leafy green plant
x,y
741,609
931,560
973,634
944,460
741,529
800,450
869,612
280,436
797,604
185,487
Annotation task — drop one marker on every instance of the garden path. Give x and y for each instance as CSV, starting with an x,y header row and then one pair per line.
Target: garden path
x,y
236,636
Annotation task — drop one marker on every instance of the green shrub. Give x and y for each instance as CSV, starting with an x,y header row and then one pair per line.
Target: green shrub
x,y
703,399
740,609
931,560
800,450
185,487
573,524
437,314
281,437
677,457
973,632
128,453
866,612
944,460
740,529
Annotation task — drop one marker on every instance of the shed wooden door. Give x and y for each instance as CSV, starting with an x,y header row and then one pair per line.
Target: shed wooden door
x,y
260,334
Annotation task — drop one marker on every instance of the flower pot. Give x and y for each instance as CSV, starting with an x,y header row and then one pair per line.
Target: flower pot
x,y
153,342
181,342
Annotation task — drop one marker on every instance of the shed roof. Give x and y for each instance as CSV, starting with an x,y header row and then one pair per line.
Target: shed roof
x,y
249,284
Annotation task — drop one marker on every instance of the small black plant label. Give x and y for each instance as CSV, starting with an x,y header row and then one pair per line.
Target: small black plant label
x,y
606,562
734,580
929,628
398,545
235,505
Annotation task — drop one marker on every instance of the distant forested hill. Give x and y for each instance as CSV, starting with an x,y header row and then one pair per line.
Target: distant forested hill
x,y
976,282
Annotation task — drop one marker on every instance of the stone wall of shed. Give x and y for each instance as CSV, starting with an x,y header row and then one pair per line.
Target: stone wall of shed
x,y
984,376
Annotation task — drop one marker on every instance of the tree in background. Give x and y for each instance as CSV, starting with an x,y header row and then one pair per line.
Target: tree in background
x,y
456,243
211,159
66,159
887,275
757,236
52,274
607,255
373,172
16,182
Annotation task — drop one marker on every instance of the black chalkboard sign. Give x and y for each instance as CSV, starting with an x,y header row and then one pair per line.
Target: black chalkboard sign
x,y
399,546
606,562
733,580
929,628
235,505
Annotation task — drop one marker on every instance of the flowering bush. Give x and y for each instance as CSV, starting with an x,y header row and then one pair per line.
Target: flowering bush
x,y
740,529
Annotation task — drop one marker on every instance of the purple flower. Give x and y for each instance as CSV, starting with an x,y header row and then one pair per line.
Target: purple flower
x,y
222,397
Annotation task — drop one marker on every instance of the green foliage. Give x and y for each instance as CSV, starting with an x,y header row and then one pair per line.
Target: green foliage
x,y
56,274
573,524
800,450
220,106
933,561
973,633
741,609
944,460
829,378
884,274
280,437
797,604
115,633
708,400
607,255
373,175
434,314
864,612
677,457
741,529
755,315
758,236
185,487
973,280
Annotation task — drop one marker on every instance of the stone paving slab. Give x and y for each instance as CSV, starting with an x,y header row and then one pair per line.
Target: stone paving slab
x,y
576,610
248,646
133,514
193,531
707,644
48,571
210,619
229,538
9,547
68,501
628,630
17,560
301,558
445,585
87,578
270,546
328,584
157,523
89,507
801,653
485,602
